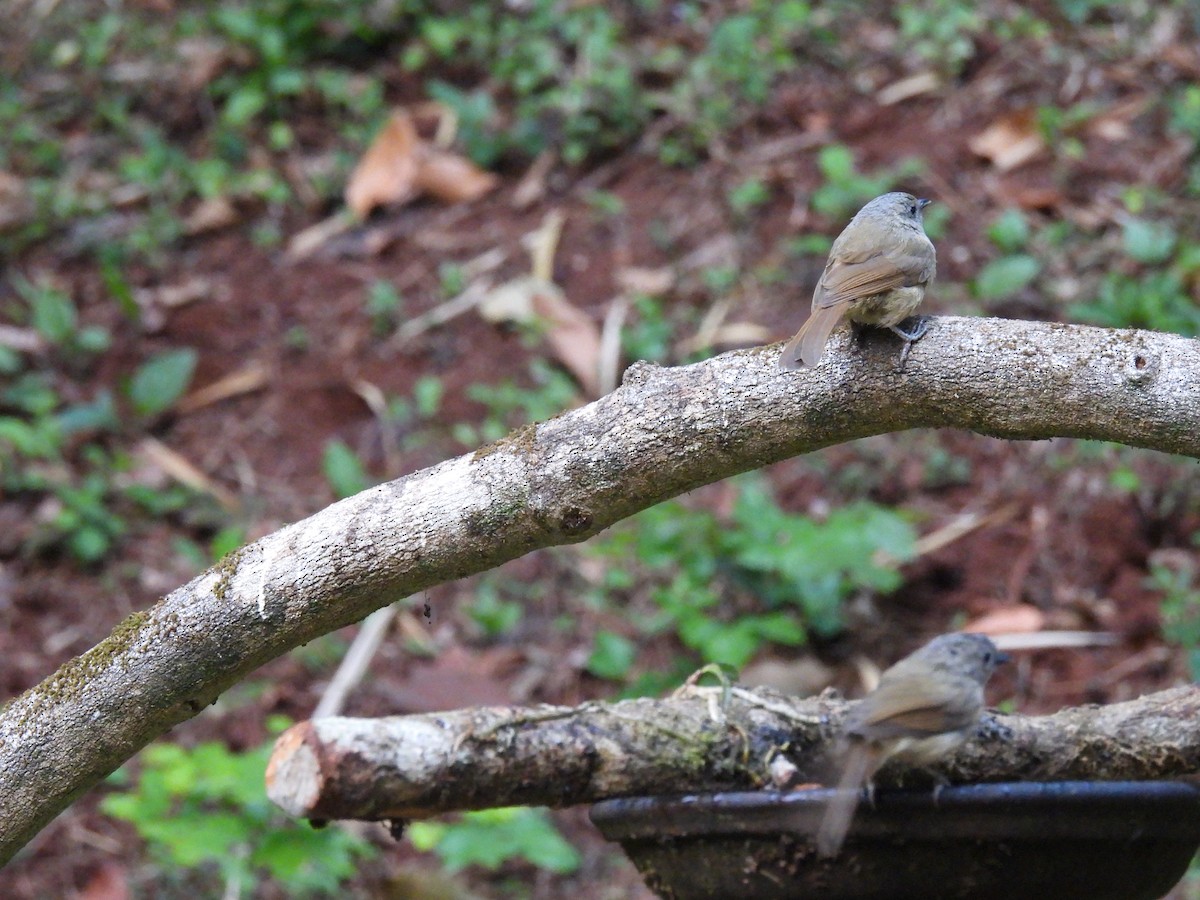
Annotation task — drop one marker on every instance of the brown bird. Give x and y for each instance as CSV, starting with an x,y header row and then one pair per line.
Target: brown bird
x,y
877,272
924,708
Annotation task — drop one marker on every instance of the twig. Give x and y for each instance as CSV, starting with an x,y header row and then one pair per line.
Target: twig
x,y
355,663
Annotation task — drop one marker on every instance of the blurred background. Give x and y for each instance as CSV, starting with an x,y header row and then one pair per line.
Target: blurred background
x,y
259,256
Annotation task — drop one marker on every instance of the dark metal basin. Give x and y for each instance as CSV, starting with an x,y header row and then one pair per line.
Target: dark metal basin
x,y
1062,840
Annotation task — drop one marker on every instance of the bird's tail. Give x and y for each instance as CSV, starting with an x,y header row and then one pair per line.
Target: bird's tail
x,y
808,346
860,765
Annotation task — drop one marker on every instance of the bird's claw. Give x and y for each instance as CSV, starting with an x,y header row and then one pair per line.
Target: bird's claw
x,y
910,337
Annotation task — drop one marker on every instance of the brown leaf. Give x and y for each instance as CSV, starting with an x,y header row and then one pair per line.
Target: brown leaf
x,y
212,214
573,336
653,282
109,882
1010,141
387,172
1018,619
453,179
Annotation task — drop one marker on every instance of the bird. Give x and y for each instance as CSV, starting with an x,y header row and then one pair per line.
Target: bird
x,y
877,273
923,709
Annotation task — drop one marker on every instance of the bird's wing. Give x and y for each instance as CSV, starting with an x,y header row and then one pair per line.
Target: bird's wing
x,y
845,281
900,708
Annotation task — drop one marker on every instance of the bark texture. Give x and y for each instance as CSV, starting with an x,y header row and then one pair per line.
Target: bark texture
x,y
663,432
408,767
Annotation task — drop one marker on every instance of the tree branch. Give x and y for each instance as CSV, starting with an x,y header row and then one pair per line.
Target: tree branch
x,y
663,432
408,767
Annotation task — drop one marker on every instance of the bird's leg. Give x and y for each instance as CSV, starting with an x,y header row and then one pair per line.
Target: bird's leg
x,y
940,783
910,337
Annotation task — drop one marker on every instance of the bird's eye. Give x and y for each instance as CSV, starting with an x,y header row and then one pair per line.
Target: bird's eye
x,y
987,657
912,210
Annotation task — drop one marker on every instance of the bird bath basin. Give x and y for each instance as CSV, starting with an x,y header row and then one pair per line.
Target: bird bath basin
x,y
1087,840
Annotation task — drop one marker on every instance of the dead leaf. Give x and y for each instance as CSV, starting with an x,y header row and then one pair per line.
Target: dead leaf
x,y
387,172
907,88
532,186
246,380
307,242
1018,619
651,282
1010,141
574,338
453,179
212,214
178,467
109,882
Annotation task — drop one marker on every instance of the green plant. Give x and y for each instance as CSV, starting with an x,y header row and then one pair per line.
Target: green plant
x,y
1156,300
491,611
649,333
845,189
206,808
384,307
784,574
612,655
732,75
492,837
1152,290
941,32
161,380
509,405
343,470
1006,276
1180,609
52,313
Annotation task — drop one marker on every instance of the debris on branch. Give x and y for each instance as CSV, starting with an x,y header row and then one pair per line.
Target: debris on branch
x,y
703,739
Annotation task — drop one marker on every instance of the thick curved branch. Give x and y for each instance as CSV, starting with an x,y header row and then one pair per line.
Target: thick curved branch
x,y
663,432
407,767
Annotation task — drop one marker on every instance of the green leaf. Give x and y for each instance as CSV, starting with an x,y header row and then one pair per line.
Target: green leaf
x,y
343,470
492,837
836,163
54,315
243,105
612,655
1010,232
1148,242
1005,276
161,381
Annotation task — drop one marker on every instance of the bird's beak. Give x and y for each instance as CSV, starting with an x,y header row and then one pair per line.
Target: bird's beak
x,y
921,204
1001,658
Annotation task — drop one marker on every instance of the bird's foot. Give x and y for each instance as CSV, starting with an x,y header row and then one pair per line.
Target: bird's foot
x,y
911,336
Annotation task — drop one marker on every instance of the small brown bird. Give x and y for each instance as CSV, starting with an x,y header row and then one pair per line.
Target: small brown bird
x,y
923,709
877,272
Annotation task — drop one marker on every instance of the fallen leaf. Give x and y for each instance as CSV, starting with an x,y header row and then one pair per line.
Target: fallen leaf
x,y
1018,619
387,172
652,282
109,882
453,179
1010,141
574,338
907,88
307,242
532,186
212,214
